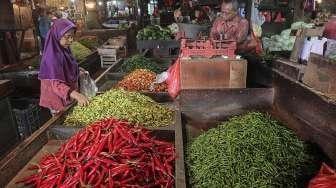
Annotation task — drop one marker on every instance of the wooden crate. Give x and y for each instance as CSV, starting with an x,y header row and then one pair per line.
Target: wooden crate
x,y
108,56
320,74
216,73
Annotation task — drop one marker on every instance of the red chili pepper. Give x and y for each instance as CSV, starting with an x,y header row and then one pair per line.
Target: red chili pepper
x,y
91,178
93,171
120,169
100,147
128,180
107,162
110,143
109,153
101,177
110,179
131,152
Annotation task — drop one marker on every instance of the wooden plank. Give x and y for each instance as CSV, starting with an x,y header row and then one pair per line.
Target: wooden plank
x,y
321,74
209,107
180,176
204,75
238,72
291,69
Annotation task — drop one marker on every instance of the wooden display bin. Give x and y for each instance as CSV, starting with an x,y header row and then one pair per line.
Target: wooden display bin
x,y
215,73
320,74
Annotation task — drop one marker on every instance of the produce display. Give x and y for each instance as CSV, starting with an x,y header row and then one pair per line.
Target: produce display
x,y
123,26
91,43
130,106
252,150
285,41
139,62
141,80
154,32
109,153
79,51
267,56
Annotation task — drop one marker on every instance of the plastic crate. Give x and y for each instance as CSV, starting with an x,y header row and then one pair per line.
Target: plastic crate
x,y
207,48
27,116
108,56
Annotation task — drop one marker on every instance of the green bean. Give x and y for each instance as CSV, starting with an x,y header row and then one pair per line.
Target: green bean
x,y
252,150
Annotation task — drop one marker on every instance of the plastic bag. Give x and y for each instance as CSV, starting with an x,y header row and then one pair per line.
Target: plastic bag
x,y
173,81
160,78
326,178
87,85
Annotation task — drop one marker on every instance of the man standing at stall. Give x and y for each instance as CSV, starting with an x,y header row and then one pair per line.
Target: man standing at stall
x,y
230,26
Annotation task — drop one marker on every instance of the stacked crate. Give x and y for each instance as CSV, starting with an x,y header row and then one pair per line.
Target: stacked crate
x,y
109,52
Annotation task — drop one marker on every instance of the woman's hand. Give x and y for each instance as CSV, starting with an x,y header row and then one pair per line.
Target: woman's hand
x,y
80,98
82,71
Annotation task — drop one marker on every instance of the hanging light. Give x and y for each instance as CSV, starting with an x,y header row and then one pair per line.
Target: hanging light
x,y
100,3
90,5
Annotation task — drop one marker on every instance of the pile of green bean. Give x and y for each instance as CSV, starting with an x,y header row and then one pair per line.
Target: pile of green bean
x,y
252,150
131,106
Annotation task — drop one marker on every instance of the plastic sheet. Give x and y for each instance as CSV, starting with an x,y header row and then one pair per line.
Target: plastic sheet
x,y
173,81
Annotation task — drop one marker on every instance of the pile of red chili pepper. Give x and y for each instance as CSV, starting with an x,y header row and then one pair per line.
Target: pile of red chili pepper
x,y
141,80
109,153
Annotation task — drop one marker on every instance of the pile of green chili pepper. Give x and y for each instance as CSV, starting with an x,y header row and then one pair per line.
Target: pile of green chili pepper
x,y
79,51
131,106
140,62
109,153
89,42
252,150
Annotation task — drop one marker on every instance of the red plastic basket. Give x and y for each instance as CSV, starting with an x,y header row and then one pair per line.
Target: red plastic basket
x,y
208,48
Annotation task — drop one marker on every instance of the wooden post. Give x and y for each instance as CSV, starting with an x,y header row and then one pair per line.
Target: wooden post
x,y
298,10
7,15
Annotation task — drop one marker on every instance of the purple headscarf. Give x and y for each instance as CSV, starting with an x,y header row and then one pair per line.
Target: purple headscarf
x,y
57,62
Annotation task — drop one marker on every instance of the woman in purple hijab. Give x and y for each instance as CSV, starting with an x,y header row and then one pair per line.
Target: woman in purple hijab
x,y
59,71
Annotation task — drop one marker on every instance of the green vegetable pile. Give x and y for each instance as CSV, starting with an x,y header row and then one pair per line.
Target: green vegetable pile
x,y
79,51
249,151
91,43
285,41
130,106
123,26
267,56
139,62
154,32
